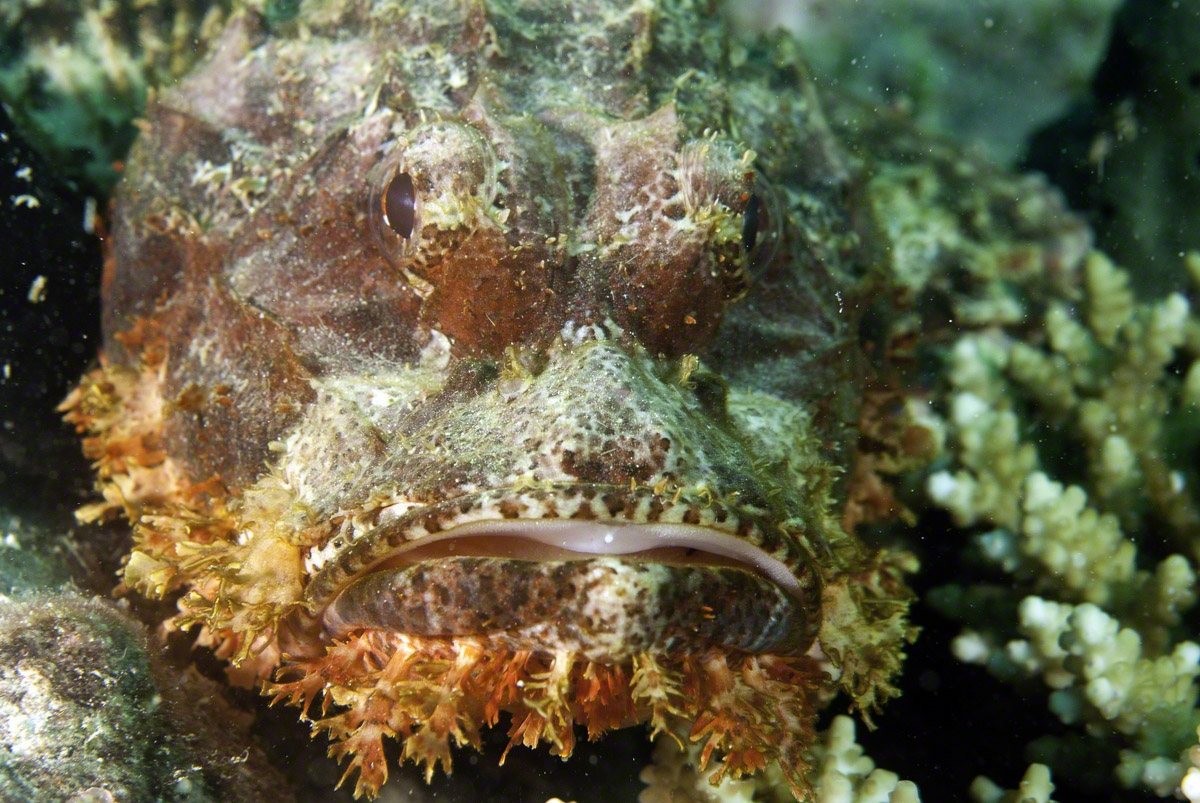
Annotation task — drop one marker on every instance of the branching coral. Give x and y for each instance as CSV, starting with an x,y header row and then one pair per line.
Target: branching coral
x,y
1035,787
1104,678
1097,622
840,773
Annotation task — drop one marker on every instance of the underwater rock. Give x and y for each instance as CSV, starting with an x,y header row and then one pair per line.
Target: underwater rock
x,y
34,556
87,713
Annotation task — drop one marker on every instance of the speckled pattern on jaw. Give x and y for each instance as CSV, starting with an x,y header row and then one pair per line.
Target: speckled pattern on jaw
x,y
605,609
584,502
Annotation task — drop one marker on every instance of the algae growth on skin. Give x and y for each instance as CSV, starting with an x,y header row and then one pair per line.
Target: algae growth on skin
x,y
540,367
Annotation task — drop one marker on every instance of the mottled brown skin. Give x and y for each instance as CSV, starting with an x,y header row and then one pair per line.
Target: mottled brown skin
x,y
464,596
292,389
302,259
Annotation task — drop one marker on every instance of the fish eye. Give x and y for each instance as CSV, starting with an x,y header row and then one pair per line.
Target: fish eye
x,y
762,224
714,170
400,204
394,208
750,223
434,184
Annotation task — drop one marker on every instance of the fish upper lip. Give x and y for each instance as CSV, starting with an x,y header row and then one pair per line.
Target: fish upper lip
x,y
577,517
614,538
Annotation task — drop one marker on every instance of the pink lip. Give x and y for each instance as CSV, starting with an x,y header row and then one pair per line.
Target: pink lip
x,y
551,538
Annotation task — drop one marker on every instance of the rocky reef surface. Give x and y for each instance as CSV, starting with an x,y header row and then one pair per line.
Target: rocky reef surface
x,y
89,714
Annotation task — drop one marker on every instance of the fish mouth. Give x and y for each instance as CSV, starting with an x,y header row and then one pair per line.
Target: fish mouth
x,y
601,571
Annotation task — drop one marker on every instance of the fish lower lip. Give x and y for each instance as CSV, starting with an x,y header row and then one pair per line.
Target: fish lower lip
x,y
606,608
